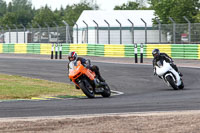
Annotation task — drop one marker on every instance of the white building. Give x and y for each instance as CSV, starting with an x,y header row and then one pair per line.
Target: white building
x,y
122,16
15,37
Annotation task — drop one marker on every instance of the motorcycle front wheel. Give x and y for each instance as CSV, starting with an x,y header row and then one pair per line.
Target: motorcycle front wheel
x,y
182,85
106,92
171,82
87,89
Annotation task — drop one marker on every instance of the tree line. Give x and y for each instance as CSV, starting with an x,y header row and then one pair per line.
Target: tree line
x,y
23,13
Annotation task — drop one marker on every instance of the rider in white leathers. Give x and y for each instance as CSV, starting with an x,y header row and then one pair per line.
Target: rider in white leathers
x,y
163,56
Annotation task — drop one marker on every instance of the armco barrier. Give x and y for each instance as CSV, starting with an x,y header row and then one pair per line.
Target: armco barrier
x,y
20,48
185,51
81,49
95,50
1,48
199,52
181,51
8,48
164,48
33,48
191,51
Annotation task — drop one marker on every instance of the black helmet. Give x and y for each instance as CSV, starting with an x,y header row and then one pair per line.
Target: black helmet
x,y
156,52
72,56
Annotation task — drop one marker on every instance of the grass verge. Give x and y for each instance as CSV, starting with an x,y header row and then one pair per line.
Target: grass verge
x,y
19,87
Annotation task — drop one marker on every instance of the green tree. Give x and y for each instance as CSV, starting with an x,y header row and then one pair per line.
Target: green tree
x,y
61,12
128,6
21,5
131,6
8,19
73,12
9,9
175,9
197,18
23,11
3,7
45,14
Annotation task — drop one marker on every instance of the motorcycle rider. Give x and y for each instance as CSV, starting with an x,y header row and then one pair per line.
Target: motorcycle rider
x,y
86,63
158,56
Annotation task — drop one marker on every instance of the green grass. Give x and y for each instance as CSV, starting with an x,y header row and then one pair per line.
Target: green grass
x,y
18,87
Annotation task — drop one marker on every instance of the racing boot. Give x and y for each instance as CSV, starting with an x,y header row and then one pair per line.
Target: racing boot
x,y
101,78
102,81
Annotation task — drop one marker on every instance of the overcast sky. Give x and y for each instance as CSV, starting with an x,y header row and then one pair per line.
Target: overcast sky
x,y
103,4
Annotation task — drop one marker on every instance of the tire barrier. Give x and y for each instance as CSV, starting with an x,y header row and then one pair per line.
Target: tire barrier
x,y
179,51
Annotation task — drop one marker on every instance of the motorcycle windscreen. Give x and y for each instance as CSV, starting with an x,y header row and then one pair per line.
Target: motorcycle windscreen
x,y
162,70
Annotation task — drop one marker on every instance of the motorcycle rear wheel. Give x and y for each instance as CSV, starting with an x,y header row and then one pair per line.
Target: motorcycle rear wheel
x,y
171,82
86,90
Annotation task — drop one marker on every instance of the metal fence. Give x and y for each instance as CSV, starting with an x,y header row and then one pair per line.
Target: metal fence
x,y
179,33
37,35
188,33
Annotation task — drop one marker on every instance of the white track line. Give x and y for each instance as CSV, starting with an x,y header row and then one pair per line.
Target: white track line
x,y
117,93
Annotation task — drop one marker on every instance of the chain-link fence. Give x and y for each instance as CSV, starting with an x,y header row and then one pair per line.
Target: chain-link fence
x,y
188,33
161,33
37,35
177,33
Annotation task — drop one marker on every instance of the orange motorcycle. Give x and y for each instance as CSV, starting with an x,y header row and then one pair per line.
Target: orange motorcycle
x,y
85,79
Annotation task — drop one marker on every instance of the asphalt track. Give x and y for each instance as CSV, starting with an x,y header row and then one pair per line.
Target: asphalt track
x,y
142,91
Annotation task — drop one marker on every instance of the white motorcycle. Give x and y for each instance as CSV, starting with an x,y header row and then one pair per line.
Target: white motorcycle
x,y
169,75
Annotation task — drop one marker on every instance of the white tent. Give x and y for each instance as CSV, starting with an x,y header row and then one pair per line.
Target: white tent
x,y
135,16
121,15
